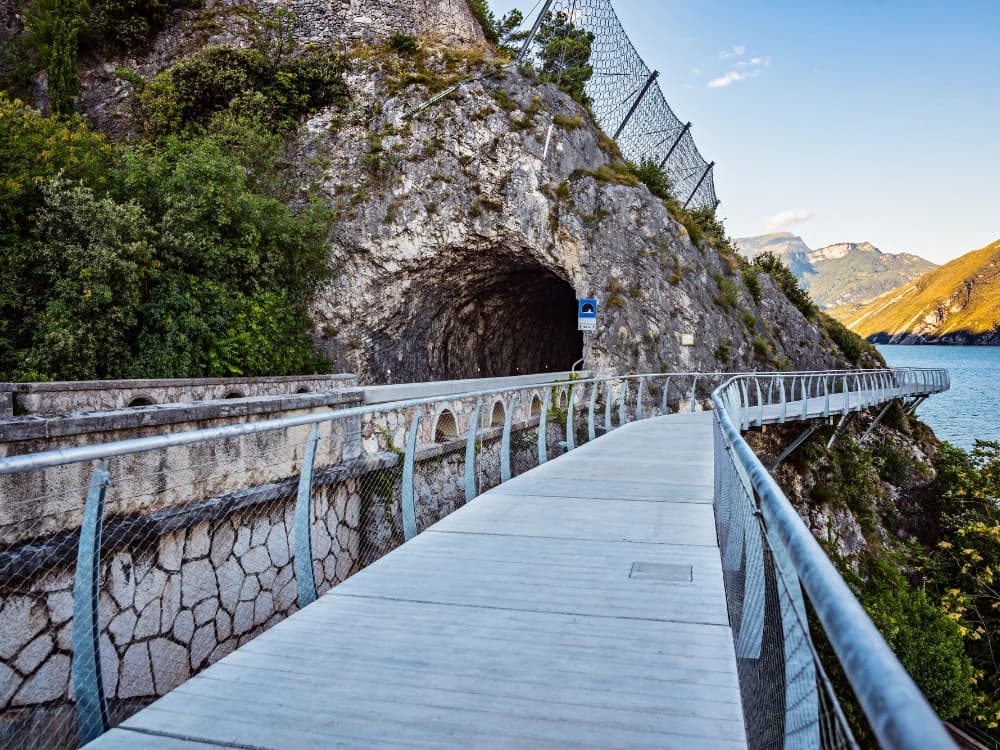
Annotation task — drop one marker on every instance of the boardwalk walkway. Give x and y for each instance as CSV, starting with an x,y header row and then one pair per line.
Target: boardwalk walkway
x,y
578,605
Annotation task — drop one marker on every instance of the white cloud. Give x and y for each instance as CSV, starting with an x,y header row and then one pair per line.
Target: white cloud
x,y
737,51
747,69
788,217
725,80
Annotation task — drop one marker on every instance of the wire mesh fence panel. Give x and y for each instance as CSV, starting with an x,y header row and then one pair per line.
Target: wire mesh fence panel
x,y
623,93
787,700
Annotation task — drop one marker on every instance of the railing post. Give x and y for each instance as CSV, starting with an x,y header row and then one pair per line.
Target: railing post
x,y
635,105
91,706
470,453
760,403
638,399
622,414
591,430
608,399
409,502
570,436
303,563
666,391
694,393
670,151
508,423
543,449
700,180
826,396
847,396
531,34
784,403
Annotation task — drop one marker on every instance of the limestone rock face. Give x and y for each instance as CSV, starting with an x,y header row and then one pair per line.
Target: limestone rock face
x,y
462,242
329,23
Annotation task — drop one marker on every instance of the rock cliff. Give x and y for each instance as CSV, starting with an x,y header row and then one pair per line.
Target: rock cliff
x,y
461,244
466,230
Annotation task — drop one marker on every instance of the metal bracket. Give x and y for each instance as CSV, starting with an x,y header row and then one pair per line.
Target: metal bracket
x,y
91,706
303,564
543,449
792,446
409,504
875,422
470,453
837,430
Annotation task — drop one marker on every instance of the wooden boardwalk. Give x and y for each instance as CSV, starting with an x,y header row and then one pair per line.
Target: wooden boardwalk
x,y
579,605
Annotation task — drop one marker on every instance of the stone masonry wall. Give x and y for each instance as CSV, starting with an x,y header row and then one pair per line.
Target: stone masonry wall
x,y
172,603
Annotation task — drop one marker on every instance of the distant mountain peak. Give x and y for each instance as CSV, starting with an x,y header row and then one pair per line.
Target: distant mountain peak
x,y
844,273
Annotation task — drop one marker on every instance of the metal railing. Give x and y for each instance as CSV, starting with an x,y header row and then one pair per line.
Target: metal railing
x,y
128,566
773,565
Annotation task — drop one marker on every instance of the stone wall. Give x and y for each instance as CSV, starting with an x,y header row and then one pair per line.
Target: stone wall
x,y
50,399
186,582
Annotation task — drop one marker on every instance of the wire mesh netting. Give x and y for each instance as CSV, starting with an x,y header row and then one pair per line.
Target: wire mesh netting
x,y
197,547
788,701
629,105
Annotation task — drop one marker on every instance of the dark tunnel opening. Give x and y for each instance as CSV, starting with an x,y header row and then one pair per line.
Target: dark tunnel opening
x,y
503,317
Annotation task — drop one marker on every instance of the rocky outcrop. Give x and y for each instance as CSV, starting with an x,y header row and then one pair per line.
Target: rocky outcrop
x,y
341,24
466,231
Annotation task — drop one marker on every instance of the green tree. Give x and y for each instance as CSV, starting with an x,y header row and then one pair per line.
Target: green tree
x,y
564,50
54,27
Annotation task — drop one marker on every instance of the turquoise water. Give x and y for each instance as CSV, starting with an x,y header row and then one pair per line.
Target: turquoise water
x,y
971,409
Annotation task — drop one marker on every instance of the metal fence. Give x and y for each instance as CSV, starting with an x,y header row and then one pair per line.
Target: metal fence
x,y
775,572
126,567
629,105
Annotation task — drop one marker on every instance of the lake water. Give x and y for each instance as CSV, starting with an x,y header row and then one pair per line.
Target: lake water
x,y
971,409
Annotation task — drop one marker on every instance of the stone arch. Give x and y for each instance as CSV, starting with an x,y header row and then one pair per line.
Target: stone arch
x,y
303,389
445,426
235,393
141,400
498,413
563,400
536,405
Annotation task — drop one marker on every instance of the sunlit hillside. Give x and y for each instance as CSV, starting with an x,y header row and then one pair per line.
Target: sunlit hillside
x,y
956,303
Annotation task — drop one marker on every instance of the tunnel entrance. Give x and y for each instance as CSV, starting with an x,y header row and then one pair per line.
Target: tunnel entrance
x,y
492,317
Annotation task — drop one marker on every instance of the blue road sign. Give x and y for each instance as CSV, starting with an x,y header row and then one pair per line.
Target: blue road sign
x,y
586,314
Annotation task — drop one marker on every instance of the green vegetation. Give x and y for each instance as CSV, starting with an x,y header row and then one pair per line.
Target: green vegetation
x,y
927,574
275,91
786,281
168,258
402,43
564,51
54,30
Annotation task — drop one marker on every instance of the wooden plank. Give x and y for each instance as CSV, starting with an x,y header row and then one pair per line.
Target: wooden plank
x,y
513,623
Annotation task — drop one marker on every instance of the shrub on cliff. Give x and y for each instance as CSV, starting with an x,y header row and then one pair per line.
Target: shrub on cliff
x,y
769,263
217,78
564,50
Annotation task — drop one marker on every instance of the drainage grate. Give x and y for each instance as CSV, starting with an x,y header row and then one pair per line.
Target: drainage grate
x,y
662,572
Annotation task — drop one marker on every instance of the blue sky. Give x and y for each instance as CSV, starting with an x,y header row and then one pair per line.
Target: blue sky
x,y
839,121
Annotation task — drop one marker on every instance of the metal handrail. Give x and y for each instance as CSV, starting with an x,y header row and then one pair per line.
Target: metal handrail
x,y
78,454
897,711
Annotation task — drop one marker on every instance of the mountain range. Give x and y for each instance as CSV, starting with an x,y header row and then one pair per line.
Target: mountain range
x,y
845,275
957,303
